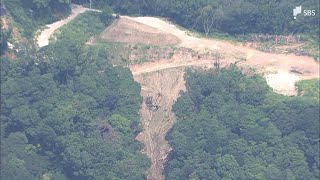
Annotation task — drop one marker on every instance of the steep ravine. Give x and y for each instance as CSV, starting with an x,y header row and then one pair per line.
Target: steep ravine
x,y
160,90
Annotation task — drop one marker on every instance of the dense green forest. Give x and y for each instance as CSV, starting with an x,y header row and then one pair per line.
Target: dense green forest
x,y
230,126
67,113
29,15
233,17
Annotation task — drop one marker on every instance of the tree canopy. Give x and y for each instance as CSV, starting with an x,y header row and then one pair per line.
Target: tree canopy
x,y
229,126
67,113
233,17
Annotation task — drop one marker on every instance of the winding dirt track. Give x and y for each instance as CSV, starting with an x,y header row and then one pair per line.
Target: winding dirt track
x,y
43,38
276,67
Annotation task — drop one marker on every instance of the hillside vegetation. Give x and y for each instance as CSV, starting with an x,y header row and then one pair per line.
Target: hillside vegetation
x,y
309,88
233,17
67,113
29,15
229,126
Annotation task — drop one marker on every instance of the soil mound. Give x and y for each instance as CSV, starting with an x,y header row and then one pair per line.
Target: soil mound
x,y
128,31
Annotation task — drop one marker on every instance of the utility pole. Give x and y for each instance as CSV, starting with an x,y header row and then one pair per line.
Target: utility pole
x,y
31,12
90,3
216,63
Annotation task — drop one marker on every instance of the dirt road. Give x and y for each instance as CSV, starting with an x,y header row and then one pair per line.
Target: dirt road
x,y
43,38
277,68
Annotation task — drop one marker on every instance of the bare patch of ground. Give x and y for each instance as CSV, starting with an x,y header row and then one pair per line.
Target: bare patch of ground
x,y
9,55
180,59
160,90
262,61
128,31
7,24
16,42
4,23
128,54
265,63
135,55
282,82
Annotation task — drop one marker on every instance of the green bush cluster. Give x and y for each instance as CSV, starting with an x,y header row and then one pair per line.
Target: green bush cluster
x,y
310,88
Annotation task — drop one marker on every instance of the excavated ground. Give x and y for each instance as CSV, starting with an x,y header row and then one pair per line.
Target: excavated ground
x,y
280,66
127,31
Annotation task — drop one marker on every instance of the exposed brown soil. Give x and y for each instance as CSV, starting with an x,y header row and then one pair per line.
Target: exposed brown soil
x,y
129,31
4,23
265,63
125,54
7,23
180,59
16,40
160,89
10,55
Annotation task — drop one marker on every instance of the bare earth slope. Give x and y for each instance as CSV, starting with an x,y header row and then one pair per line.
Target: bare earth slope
x,y
124,30
276,67
159,90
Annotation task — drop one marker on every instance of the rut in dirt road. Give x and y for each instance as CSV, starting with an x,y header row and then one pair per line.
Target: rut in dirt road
x,y
159,90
